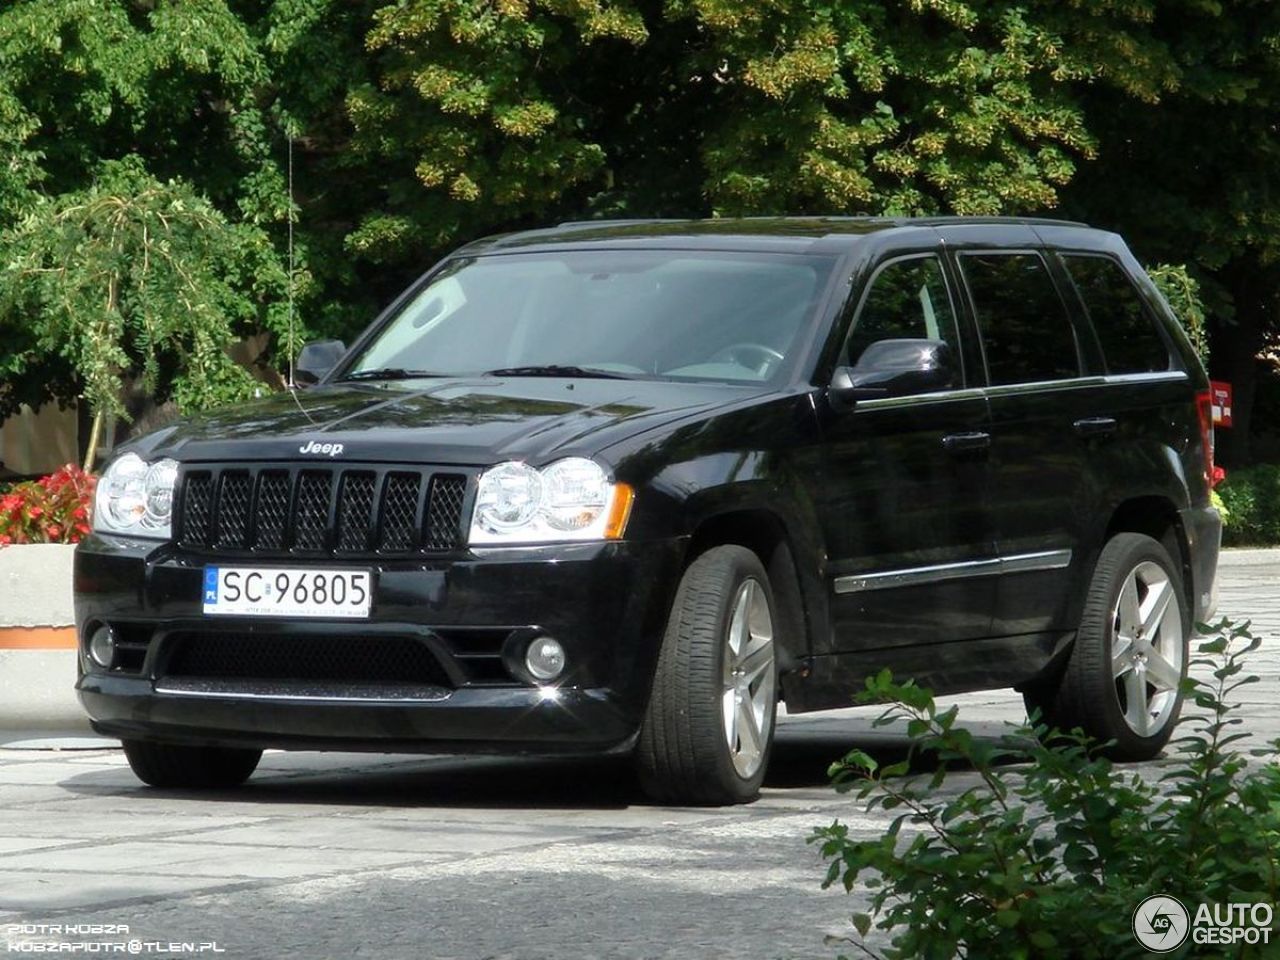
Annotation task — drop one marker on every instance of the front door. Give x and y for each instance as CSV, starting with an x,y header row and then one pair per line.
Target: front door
x,y
903,498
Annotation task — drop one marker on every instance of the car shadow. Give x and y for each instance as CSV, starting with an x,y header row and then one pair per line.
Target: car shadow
x,y
801,759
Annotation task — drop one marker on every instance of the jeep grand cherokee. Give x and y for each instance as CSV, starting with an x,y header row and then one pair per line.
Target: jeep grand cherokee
x,y
623,487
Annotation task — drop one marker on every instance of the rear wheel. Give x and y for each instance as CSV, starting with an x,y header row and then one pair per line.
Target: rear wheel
x,y
170,765
1130,656
708,730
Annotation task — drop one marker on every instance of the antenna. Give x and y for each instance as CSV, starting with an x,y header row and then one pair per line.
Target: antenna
x,y
292,348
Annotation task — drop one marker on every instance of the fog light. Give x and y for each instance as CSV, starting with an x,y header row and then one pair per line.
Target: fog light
x,y
544,659
102,647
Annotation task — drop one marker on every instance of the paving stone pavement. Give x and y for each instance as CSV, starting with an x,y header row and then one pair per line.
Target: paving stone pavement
x,y
347,855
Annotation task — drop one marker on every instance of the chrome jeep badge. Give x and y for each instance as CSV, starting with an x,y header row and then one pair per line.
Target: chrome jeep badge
x,y
321,449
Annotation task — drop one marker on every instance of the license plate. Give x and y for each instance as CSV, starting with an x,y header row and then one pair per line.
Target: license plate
x,y
276,592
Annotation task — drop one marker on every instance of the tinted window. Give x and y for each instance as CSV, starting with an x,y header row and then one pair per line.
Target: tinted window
x,y
907,301
1026,334
1126,330
641,313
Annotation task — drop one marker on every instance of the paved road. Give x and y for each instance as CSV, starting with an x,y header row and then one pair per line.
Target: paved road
x,y
337,856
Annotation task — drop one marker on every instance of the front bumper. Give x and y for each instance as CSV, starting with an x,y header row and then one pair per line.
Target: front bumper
x,y
606,603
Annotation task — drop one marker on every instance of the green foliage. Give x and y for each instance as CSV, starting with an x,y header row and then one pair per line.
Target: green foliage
x,y
131,278
1252,498
485,114
137,182
1044,848
1182,292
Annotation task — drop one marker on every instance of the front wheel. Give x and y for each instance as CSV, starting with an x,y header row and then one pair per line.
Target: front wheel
x,y
171,765
1123,680
708,729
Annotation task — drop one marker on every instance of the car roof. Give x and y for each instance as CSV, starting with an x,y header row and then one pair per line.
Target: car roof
x,y
793,234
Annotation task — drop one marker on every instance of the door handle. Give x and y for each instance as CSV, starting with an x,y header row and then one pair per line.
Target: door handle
x,y
1095,426
961,443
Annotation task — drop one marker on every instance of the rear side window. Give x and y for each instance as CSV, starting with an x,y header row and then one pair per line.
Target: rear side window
x,y
1127,331
1026,333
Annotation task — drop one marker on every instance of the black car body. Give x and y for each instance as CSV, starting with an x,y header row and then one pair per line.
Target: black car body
x,y
940,509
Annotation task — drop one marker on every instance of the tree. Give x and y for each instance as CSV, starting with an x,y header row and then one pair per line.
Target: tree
x,y
1194,177
492,113
126,279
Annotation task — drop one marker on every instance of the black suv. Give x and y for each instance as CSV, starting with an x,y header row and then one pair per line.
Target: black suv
x,y
620,487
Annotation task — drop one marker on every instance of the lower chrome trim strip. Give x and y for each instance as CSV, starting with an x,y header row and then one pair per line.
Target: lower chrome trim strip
x,y
911,576
178,687
1028,562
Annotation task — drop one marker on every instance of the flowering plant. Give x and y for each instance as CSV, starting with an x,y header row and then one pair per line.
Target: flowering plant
x,y
53,509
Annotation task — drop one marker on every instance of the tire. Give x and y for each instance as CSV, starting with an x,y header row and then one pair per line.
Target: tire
x,y
689,752
205,768
1122,681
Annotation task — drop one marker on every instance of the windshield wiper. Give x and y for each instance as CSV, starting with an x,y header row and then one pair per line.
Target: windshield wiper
x,y
390,373
558,370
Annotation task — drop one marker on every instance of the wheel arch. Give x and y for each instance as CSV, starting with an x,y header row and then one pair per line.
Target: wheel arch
x,y
765,533
1157,517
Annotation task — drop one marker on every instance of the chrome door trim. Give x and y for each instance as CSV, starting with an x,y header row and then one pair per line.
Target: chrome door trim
x,y
1030,562
913,399
911,576
1014,389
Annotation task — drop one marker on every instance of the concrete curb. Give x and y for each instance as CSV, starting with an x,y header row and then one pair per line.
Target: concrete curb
x,y
1248,556
35,585
37,640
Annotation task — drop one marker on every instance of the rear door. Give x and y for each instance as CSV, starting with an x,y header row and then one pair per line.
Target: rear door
x,y
1042,396
903,495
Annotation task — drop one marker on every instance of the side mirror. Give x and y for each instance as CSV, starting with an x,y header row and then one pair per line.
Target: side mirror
x,y
894,368
316,359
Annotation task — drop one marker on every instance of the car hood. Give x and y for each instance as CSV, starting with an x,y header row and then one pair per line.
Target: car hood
x,y
448,420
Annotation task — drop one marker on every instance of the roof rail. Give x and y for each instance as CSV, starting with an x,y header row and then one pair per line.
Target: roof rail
x,y
936,220
1029,221
622,222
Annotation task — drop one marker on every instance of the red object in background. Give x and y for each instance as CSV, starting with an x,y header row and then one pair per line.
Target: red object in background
x,y
1221,398
53,509
1218,475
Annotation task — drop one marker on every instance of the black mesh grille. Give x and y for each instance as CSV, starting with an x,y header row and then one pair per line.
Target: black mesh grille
x,y
195,509
272,509
276,509
233,509
247,656
311,520
355,511
444,517
400,512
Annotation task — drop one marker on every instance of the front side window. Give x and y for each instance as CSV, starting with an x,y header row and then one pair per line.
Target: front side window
x,y
721,316
1026,333
1126,330
907,300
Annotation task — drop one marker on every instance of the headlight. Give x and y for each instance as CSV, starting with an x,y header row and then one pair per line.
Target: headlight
x,y
571,499
136,498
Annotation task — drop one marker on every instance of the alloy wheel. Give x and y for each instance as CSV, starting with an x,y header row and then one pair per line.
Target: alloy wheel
x,y
748,696
1147,648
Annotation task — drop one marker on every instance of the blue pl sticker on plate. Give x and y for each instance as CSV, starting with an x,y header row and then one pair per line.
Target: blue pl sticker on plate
x,y
210,584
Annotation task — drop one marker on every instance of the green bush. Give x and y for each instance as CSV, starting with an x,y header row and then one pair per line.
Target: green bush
x,y
1252,499
1045,848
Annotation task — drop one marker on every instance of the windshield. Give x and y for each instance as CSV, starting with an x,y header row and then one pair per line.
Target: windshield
x,y
629,313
